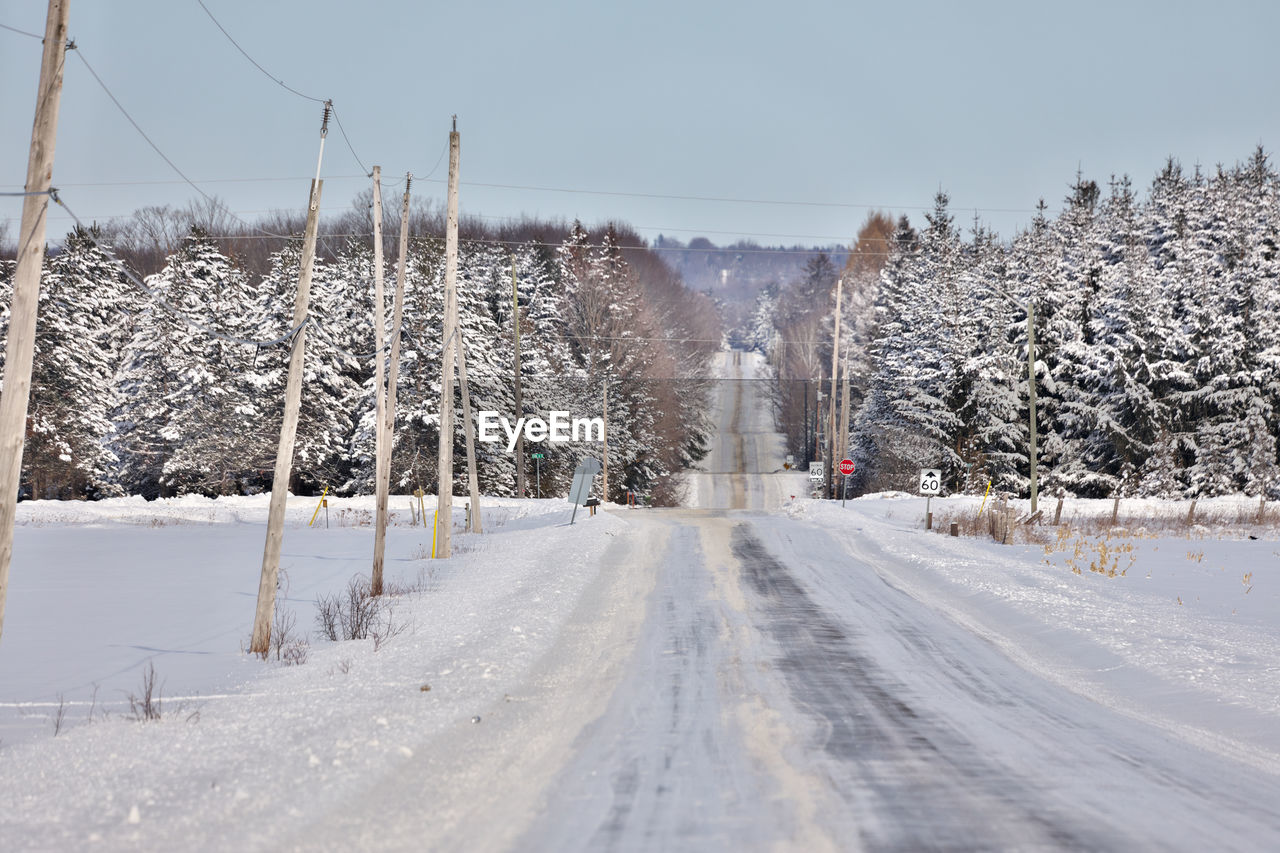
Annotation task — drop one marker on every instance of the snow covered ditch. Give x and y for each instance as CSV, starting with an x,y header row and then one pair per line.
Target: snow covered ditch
x,y
102,590
1176,624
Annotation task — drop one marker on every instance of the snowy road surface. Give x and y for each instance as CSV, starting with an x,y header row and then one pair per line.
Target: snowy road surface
x,y
751,673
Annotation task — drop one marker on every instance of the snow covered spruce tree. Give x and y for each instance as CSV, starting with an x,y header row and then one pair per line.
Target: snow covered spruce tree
x,y
338,322
612,338
187,414
990,398
346,310
85,301
1235,335
910,416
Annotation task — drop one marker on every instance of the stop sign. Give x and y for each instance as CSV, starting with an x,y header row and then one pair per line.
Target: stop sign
x,y
846,466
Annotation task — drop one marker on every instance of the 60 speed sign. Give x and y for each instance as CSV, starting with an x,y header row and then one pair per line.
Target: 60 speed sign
x,y
931,481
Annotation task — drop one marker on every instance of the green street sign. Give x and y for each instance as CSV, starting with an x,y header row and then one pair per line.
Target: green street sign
x,y
538,456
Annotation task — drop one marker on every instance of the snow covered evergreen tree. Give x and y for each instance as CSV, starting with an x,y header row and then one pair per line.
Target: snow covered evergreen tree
x,y
84,302
187,400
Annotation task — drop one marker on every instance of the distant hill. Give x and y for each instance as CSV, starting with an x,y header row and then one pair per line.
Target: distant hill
x,y
735,274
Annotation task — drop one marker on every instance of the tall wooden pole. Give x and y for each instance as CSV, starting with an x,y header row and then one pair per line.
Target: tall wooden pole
x,y
20,348
835,370
605,436
261,640
444,487
386,426
380,400
519,413
843,437
1031,393
468,432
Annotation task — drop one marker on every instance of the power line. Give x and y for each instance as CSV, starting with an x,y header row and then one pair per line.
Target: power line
x,y
347,140
439,160
211,199
21,32
287,87
253,61
617,193
169,182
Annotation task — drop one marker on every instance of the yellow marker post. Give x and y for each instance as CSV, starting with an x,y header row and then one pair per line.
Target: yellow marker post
x,y
984,499
317,512
434,522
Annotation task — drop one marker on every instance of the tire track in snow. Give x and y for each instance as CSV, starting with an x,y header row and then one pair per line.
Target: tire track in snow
x,y
913,783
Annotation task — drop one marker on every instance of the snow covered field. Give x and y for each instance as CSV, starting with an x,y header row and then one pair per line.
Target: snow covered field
x,y
246,750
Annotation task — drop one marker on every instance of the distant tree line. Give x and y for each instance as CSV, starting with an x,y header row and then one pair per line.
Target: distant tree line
x,y
132,394
1157,343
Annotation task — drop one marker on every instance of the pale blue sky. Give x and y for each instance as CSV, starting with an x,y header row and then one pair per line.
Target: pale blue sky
x,y
857,104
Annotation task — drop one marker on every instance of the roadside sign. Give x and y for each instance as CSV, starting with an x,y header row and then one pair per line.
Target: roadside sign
x,y
846,466
930,481
815,472
539,456
583,476
790,462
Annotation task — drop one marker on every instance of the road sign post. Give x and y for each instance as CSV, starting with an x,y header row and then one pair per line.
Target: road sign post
x,y
846,468
537,476
930,485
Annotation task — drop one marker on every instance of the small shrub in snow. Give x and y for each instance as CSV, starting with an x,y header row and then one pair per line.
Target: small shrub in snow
x,y
59,716
146,706
355,614
285,644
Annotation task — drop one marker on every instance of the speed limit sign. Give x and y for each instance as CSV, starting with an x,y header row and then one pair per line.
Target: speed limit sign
x,y
930,481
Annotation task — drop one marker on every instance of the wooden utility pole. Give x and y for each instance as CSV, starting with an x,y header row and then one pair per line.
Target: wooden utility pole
x,y
468,431
835,370
1031,394
444,487
20,347
515,323
380,400
387,421
843,437
261,640
605,435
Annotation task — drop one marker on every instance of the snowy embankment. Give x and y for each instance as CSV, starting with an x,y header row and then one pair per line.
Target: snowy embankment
x,y
249,752
1176,624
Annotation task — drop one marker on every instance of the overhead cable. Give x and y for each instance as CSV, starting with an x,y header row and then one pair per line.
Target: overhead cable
x,y
211,199
254,62
21,32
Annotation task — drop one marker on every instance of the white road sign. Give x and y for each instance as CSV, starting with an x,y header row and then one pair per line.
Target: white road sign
x,y
930,481
815,472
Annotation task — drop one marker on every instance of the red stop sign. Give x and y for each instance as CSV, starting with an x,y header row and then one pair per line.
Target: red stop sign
x,y
846,466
